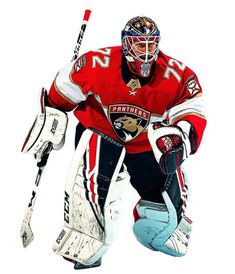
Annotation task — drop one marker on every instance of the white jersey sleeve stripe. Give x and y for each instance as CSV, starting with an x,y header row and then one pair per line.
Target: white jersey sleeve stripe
x,y
67,88
194,106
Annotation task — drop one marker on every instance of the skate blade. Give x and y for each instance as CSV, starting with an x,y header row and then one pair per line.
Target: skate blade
x,y
78,265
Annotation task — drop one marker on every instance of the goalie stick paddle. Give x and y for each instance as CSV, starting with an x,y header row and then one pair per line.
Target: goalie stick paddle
x,y
26,232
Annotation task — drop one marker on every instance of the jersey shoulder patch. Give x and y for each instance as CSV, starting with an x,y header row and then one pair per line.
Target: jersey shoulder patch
x,y
192,85
80,62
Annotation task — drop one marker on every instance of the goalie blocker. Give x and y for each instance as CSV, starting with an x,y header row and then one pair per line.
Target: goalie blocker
x,y
96,182
49,127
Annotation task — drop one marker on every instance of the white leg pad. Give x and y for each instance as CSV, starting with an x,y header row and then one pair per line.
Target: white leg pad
x,y
157,227
177,244
77,246
92,199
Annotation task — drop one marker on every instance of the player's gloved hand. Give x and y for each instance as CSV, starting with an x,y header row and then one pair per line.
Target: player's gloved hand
x,y
47,133
171,146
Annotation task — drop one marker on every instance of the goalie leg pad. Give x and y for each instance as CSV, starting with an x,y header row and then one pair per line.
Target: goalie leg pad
x,y
157,228
156,223
76,246
93,192
163,226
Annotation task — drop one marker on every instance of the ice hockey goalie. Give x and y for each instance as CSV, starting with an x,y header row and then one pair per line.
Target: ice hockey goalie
x,y
141,115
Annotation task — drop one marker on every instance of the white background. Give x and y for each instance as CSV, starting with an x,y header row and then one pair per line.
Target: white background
x,y
37,38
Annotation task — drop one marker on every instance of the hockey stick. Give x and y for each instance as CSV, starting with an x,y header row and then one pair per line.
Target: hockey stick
x,y
26,232
81,34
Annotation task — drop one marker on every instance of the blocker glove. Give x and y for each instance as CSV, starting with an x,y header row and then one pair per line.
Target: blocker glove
x,y
48,131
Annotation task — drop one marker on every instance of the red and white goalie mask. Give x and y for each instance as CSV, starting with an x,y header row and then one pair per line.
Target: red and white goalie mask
x,y
140,39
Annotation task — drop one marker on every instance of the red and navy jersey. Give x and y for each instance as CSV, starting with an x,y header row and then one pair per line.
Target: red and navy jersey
x,y
106,96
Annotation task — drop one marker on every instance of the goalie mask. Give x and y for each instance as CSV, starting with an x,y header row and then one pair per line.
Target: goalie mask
x,y
140,39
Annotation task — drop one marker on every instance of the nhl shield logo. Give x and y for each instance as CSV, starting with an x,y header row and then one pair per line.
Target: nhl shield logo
x,y
128,121
80,63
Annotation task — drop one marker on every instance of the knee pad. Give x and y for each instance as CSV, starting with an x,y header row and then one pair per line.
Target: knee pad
x,y
96,182
163,226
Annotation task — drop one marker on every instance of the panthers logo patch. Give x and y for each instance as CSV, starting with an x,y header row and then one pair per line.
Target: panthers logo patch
x,y
128,121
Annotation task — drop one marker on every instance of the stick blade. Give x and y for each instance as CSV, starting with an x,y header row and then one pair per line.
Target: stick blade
x,y
26,234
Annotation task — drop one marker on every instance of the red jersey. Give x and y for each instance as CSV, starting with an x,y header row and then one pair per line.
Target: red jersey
x,y
106,96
